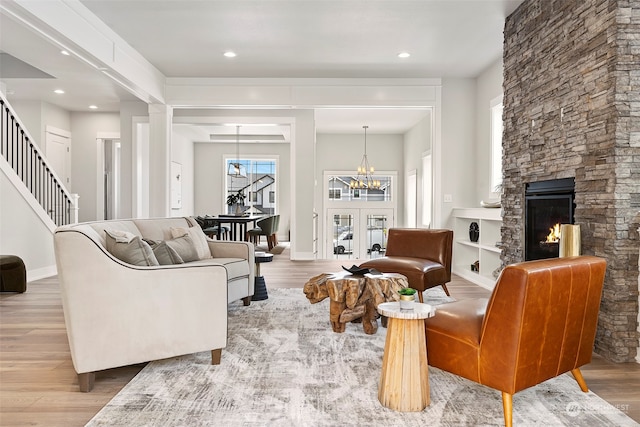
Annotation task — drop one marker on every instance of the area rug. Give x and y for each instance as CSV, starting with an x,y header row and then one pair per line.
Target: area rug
x,y
284,366
278,249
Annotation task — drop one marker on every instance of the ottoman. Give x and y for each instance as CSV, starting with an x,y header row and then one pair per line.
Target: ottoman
x,y
13,274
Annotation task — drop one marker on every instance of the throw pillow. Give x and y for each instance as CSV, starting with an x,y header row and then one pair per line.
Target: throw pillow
x,y
198,237
165,254
129,248
185,248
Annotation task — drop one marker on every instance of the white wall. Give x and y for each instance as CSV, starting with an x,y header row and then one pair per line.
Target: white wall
x,y
23,234
183,152
459,154
489,86
84,168
417,142
37,115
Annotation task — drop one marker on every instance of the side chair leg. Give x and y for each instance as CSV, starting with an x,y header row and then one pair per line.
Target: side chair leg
x,y
580,379
446,291
420,297
86,381
507,406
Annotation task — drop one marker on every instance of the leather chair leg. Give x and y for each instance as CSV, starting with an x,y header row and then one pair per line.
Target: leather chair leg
x,y
507,406
580,379
446,291
246,301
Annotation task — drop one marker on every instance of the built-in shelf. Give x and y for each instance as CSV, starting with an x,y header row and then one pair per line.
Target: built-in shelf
x,y
485,251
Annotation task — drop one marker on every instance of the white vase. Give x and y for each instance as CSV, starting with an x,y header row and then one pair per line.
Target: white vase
x,y
407,302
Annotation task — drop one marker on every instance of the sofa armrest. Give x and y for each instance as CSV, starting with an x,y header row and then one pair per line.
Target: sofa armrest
x,y
230,249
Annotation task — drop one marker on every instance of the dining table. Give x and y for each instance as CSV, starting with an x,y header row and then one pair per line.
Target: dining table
x,y
238,224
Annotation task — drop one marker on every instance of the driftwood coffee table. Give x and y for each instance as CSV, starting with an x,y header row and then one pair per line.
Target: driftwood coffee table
x,y
353,297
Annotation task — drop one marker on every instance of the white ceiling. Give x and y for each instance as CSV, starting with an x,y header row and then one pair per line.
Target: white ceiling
x,y
273,38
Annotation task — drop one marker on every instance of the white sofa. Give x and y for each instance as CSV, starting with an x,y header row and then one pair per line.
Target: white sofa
x,y
118,314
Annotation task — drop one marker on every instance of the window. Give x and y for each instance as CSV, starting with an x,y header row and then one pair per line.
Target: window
x,y
257,189
496,143
335,193
340,189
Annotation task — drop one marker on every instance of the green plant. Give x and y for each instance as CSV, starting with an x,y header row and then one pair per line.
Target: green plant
x,y
407,291
237,197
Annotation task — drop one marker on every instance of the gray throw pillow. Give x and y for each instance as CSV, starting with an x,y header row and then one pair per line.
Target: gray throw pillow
x,y
129,248
197,236
185,247
165,254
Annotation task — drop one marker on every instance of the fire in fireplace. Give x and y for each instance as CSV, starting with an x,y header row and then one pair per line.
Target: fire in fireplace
x,y
547,205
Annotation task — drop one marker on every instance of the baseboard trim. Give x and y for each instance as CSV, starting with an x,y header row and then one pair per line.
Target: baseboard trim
x,y
303,256
41,273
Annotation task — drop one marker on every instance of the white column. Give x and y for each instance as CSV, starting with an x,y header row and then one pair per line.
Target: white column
x,y
160,118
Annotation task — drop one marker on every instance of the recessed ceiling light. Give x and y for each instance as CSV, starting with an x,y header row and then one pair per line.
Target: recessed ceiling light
x,y
64,52
230,54
59,91
93,107
404,55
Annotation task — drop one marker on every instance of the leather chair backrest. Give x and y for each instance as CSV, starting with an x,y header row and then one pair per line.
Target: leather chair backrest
x,y
540,321
434,245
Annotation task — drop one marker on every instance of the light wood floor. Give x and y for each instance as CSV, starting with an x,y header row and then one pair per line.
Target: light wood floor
x,y
38,386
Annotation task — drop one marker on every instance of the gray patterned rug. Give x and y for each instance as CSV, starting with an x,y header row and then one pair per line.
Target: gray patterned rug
x,y
284,366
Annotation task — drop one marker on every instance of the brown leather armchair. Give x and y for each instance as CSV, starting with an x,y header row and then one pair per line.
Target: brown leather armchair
x,y
422,255
539,322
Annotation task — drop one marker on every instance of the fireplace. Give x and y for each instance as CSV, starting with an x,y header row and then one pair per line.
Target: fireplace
x,y
547,205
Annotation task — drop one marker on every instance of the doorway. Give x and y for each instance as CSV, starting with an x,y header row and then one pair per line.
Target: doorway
x,y
108,176
357,233
58,151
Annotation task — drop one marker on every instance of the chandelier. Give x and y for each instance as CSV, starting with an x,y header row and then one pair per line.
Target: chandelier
x,y
237,169
364,179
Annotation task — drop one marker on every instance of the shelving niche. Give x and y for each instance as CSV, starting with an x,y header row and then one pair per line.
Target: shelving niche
x,y
485,251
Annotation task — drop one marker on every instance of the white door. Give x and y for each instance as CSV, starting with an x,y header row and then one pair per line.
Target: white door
x,y
58,152
357,233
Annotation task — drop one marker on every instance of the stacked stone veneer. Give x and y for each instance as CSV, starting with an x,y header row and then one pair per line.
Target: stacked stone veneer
x,y
572,109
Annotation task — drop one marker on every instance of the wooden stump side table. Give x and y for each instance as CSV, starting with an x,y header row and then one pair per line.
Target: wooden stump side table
x,y
404,381
353,297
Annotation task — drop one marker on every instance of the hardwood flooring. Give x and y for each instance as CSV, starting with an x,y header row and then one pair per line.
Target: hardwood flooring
x,y
38,386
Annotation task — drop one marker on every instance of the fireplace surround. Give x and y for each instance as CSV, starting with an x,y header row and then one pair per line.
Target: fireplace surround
x,y
572,109
547,205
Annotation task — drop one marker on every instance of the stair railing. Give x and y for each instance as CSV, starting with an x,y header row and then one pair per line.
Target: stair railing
x,y
31,166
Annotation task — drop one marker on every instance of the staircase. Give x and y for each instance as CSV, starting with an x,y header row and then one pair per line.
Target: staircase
x,y
26,166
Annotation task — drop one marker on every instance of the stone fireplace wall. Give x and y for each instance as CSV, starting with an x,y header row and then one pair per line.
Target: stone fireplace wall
x,y
572,109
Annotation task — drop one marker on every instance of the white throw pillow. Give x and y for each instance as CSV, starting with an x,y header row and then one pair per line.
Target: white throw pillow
x,y
198,237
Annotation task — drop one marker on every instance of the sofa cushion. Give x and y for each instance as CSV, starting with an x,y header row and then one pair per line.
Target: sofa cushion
x,y
165,254
236,267
129,248
198,237
185,248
